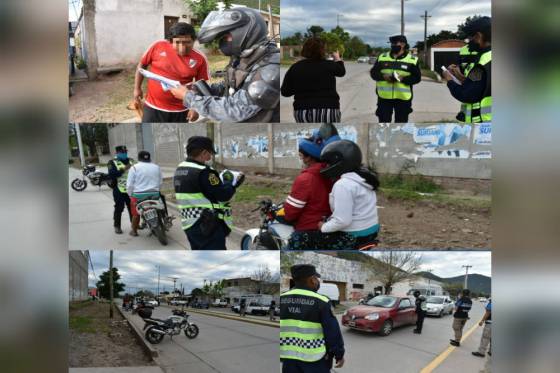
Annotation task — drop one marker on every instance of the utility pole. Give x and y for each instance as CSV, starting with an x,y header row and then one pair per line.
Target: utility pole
x,y
402,17
467,275
158,269
80,145
338,20
111,284
429,281
426,16
174,283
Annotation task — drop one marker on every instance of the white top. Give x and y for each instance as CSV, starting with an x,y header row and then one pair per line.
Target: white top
x,y
353,203
144,177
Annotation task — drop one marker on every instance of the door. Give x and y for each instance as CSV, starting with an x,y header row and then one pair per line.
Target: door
x,y
168,22
405,313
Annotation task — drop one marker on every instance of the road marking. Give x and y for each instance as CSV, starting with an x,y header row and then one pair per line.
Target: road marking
x,y
445,354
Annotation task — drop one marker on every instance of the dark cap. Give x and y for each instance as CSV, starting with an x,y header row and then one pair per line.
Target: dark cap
x,y
121,149
301,271
144,156
396,38
200,142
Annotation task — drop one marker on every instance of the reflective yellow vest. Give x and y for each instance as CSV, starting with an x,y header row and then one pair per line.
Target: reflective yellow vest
x,y
482,111
301,338
191,201
121,180
396,90
466,68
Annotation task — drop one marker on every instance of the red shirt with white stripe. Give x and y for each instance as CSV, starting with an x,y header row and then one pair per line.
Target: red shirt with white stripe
x,y
164,60
308,202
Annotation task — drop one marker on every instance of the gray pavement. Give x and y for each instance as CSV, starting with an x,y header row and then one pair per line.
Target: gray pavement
x,y
403,351
223,345
91,223
358,101
153,369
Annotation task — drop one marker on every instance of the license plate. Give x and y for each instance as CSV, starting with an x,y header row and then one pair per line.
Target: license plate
x,y
352,323
150,214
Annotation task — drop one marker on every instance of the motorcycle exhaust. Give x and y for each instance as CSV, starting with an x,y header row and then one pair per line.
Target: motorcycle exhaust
x,y
155,330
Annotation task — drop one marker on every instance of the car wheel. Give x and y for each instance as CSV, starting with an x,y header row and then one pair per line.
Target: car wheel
x,y
386,328
440,313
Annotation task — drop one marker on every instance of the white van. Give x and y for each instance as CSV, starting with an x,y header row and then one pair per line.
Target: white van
x,y
330,291
428,291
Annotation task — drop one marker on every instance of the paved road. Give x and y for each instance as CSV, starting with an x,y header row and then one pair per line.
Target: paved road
x,y
91,223
223,345
228,311
432,101
403,351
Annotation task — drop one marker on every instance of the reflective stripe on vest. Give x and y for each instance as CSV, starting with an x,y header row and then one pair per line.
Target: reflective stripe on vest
x,y
300,339
396,90
121,180
482,111
191,205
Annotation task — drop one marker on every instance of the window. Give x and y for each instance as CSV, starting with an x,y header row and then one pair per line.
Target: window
x,y
405,303
357,286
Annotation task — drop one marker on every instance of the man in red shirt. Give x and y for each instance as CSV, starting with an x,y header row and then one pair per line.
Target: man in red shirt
x,y
308,202
175,59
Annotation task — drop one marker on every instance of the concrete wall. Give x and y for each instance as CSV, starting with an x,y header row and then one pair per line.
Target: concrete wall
x,y
126,134
78,276
124,29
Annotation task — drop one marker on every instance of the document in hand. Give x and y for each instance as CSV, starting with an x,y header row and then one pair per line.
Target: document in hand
x,y
236,176
166,83
396,76
443,68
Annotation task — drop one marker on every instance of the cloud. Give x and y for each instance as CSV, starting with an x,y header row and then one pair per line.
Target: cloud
x,y
375,21
138,268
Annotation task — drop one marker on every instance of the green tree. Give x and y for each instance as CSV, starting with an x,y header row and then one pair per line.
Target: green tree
x,y
436,38
201,8
333,43
355,48
94,135
314,31
342,35
103,284
197,292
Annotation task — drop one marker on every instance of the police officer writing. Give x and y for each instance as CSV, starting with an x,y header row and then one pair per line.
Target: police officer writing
x,y
420,309
309,332
395,73
475,89
203,198
251,90
460,316
118,172
467,60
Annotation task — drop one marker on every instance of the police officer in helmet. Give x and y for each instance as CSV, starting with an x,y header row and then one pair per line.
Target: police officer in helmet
x,y
118,172
395,73
310,336
420,309
203,198
475,92
251,90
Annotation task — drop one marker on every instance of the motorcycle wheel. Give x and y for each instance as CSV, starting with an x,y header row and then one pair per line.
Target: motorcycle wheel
x,y
153,337
78,185
159,231
191,331
246,243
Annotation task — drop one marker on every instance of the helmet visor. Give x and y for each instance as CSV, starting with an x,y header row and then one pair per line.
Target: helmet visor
x,y
220,19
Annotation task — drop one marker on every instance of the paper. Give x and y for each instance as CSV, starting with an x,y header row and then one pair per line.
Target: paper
x,y
166,83
396,76
236,176
452,76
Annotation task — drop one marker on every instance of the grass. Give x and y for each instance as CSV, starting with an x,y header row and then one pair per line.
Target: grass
x,y
254,193
287,61
412,183
82,324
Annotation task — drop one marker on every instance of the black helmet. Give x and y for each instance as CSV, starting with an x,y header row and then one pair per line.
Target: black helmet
x,y
341,156
416,293
246,25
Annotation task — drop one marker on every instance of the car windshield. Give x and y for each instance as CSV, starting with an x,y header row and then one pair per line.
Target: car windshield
x,y
436,300
382,301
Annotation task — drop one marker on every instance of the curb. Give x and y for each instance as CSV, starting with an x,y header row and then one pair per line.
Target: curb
x,y
238,318
238,232
139,336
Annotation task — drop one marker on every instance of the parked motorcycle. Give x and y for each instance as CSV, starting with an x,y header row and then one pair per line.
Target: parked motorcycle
x,y
272,234
156,329
152,215
96,178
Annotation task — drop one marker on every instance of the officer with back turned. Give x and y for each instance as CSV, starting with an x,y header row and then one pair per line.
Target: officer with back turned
x,y
203,197
310,336
118,173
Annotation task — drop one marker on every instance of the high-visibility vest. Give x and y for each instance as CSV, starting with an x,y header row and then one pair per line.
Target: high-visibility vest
x,y
402,66
468,61
121,180
482,110
301,332
190,199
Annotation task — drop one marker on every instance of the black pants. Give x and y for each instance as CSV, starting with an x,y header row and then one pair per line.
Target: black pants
x,y
214,241
385,110
121,199
420,320
296,366
152,115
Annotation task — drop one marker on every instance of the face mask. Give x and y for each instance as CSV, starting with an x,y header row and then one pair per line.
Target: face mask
x,y
226,47
395,49
318,284
122,156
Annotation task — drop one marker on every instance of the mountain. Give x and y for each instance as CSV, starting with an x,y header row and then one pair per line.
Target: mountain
x,y
477,283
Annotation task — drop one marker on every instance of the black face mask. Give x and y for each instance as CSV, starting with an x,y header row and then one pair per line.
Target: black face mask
x,y
226,47
473,46
395,49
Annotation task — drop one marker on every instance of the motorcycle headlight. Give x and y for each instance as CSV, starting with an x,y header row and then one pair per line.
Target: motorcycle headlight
x,y
372,316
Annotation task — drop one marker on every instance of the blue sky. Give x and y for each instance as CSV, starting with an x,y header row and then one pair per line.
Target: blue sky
x,y
138,268
375,20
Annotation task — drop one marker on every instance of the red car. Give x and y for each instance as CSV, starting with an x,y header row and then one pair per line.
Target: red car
x,y
381,314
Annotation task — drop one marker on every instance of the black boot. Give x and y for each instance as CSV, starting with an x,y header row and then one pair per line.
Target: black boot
x,y
476,353
454,343
118,230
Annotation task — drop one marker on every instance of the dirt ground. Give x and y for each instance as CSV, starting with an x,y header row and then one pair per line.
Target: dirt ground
x,y
97,341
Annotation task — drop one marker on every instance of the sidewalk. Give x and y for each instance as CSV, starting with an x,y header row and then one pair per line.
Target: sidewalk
x,y
154,369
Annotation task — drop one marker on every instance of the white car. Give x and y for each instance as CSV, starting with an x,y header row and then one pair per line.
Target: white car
x,y
439,305
363,59
152,302
482,299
